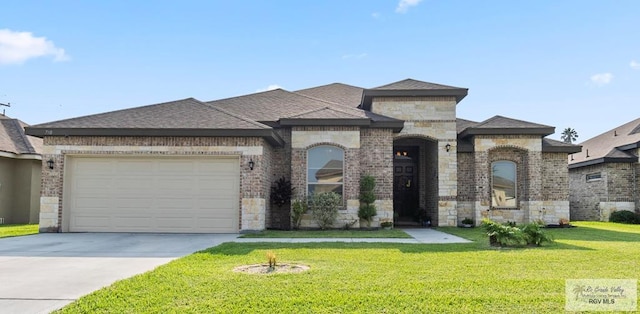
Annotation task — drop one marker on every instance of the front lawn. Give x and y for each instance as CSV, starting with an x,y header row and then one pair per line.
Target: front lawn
x,y
380,278
17,230
353,233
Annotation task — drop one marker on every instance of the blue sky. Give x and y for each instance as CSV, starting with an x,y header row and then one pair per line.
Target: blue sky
x,y
573,63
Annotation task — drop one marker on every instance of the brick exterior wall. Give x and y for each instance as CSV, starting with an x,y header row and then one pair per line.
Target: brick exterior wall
x,y
253,184
617,189
542,180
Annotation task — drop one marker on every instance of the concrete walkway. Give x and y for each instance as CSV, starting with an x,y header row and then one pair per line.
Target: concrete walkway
x,y
420,236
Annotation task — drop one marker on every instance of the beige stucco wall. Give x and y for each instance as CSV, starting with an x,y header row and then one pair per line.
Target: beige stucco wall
x,y
19,190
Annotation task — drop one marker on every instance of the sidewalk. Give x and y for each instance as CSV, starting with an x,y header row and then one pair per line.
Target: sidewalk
x,y
420,236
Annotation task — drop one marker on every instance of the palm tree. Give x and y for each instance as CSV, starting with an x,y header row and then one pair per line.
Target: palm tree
x,y
569,135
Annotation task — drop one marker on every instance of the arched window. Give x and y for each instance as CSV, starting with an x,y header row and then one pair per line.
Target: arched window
x,y
325,169
504,184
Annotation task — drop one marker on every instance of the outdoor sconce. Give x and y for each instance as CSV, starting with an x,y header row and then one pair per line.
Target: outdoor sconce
x,y
251,164
51,163
447,147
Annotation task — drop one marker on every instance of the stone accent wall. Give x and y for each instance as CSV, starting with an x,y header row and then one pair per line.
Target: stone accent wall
x,y
617,189
253,183
346,138
430,118
542,187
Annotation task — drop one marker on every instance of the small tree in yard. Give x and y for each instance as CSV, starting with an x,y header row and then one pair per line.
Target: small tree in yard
x,y
367,198
324,208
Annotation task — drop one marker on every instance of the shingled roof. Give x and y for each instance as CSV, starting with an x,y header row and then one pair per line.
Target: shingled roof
x,y
616,145
410,88
15,143
499,125
338,93
411,84
186,117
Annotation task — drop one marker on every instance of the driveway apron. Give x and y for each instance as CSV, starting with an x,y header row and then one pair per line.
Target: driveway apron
x,y
44,272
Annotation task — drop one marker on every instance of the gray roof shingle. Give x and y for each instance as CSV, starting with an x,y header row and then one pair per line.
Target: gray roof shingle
x,y
187,113
13,139
503,125
411,84
338,93
615,145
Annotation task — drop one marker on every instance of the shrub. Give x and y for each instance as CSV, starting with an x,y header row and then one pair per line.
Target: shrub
x,y
298,208
509,235
281,192
367,197
324,208
625,217
534,234
503,235
467,221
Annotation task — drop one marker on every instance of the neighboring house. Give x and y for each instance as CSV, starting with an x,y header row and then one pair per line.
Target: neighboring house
x,y
604,176
192,166
20,169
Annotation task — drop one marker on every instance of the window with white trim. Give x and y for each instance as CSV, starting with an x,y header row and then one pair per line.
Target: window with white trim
x,y
504,184
325,169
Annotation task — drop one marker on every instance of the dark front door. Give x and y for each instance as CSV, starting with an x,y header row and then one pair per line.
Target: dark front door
x,y
405,184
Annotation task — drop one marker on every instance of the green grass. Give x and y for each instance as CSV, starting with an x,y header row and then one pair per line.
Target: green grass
x,y
380,278
17,230
354,233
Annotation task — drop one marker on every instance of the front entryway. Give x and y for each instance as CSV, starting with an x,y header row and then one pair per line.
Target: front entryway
x,y
415,182
405,184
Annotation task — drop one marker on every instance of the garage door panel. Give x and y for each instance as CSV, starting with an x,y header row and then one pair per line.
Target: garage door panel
x,y
151,194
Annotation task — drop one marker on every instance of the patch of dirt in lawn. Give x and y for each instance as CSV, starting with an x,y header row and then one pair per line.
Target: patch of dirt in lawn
x,y
278,269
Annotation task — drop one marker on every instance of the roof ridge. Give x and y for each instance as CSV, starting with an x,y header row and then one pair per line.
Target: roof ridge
x,y
333,105
513,119
119,110
334,83
245,95
237,116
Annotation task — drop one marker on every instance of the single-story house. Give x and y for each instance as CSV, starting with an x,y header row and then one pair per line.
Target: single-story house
x,y
194,166
20,164
604,175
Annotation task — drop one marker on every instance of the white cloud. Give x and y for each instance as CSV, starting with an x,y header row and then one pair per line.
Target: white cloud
x,y
375,15
18,47
354,56
601,79
268,88
404,5
634,65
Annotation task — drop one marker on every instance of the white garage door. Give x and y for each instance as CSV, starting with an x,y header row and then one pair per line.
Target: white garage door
x,y
152,194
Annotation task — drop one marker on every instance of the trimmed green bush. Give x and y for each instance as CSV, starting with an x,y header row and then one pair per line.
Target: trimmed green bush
x,y
324,208
625,217
367,197
298,208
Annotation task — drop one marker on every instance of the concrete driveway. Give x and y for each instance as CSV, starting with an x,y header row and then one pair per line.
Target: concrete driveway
x,y
44,272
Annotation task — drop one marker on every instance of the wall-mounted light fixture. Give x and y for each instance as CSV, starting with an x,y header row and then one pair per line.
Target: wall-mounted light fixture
x,y
447,147
51,163
251,164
